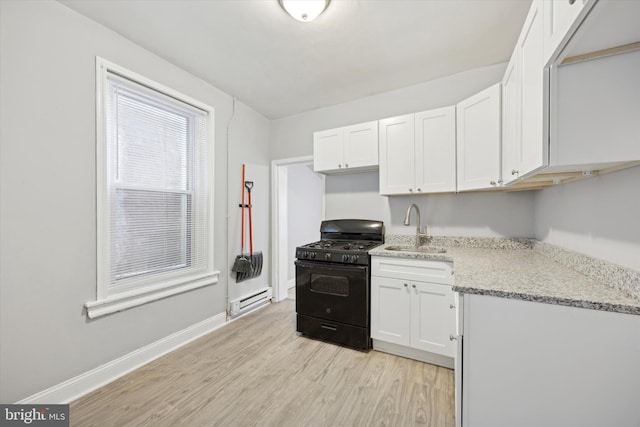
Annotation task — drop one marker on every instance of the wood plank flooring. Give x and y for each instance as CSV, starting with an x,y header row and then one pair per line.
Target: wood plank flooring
x,y
257,371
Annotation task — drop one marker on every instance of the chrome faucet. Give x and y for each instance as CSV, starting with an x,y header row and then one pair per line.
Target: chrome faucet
x,y
407,222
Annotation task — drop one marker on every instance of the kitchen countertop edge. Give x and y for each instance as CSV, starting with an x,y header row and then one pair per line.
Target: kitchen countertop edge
x,y
590,292
544,299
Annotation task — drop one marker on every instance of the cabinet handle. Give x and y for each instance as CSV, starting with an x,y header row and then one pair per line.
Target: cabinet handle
x,y
500,182
452,338
572,1
339,165
419,189
451,306
346,165
413,286
492,183
411,190
405,285
514,172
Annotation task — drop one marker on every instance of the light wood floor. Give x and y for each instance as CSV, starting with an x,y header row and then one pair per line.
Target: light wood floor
x,y
257,371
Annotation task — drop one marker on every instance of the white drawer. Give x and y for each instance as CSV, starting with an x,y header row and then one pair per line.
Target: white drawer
x,y
413,269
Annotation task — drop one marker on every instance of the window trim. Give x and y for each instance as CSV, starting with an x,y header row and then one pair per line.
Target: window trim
x,y
105,303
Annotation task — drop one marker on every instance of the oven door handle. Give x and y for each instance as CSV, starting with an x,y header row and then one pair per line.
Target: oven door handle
x,y
331,266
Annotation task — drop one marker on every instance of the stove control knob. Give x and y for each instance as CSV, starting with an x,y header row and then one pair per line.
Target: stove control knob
x,y
354,258
312,255
327,256
345,258
305,254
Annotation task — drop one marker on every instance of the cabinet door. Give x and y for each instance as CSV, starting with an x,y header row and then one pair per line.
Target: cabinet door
x,y
534,149
361,145
435,144
390,305
511,113
328,150
601,124
397,155
559,17
478,140
433,318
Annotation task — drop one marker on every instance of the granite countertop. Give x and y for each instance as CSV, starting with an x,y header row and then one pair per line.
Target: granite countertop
x,y
532,271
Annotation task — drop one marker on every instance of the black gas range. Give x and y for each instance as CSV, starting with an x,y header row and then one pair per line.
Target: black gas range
x,y
333,282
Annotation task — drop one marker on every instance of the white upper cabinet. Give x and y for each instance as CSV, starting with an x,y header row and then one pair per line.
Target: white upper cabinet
x,y
598,103
511,118
346,149
531,50
478,121
361,145
435,144
568,108
397,155
328,150
560,19
417,153
525,147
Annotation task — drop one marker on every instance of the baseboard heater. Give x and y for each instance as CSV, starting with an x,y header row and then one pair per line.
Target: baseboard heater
x,y
250,302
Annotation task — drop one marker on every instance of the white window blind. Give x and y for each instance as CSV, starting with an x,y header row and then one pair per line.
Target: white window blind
x,y
155,228
157,186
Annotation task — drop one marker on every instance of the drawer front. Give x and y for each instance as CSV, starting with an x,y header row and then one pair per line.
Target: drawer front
x,y
341,333
412,269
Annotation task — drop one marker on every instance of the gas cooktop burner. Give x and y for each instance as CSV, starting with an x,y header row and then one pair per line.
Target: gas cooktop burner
x,y
344,245
343,242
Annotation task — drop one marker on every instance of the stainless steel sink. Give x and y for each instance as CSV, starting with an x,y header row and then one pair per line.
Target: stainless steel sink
x,y
421,249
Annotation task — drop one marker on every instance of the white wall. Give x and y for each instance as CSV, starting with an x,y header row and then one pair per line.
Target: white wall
x,y
249,144
473,214
305,192
598,216
293,136
47,214
357,195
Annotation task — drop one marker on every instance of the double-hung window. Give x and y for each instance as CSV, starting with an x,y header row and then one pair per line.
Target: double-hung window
x,y
155,191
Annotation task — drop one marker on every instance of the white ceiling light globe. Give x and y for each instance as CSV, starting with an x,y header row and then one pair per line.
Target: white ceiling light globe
x,y
304,10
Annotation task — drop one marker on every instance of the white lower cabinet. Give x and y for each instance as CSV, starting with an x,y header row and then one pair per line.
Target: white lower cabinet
x,y
531,364
390,308
433,321
413,309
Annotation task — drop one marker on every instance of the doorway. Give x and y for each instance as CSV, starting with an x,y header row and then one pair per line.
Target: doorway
x,y
297,210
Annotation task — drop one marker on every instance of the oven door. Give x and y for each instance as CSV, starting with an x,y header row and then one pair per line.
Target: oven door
x,y
335,292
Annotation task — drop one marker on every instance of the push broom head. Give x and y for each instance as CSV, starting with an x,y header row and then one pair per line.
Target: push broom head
x,y
242,264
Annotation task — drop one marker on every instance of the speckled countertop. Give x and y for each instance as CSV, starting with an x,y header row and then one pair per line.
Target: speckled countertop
x,y
532,271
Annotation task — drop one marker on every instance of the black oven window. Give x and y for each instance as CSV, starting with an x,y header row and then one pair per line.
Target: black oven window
x,y
327,284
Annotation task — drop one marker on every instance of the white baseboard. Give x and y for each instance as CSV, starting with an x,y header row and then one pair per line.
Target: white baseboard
x,y
87,382
412,353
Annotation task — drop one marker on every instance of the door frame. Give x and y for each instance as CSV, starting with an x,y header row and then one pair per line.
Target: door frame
x,y
279,224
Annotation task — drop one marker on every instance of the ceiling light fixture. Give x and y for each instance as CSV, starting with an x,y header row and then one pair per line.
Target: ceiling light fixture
x,y
304,10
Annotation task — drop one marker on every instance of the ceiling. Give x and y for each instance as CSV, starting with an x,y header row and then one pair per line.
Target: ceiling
x,y
253,50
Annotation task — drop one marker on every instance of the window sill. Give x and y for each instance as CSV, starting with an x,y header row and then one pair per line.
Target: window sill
x,y
119,302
